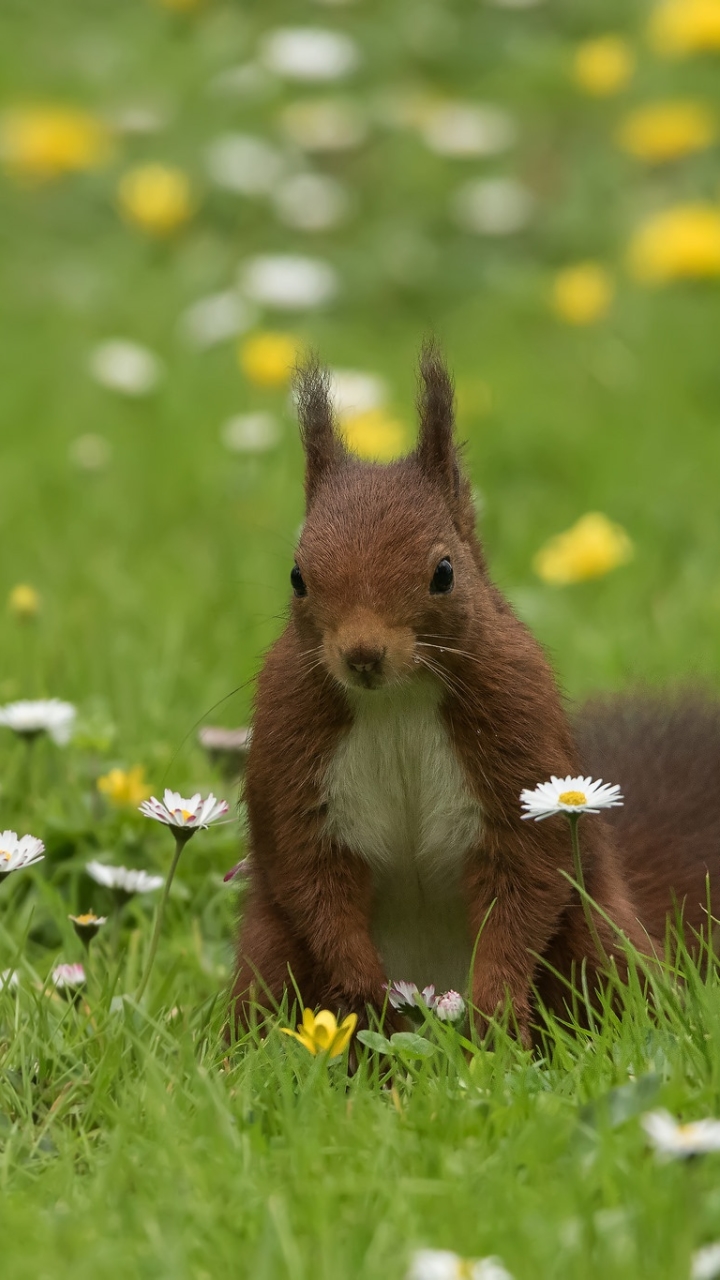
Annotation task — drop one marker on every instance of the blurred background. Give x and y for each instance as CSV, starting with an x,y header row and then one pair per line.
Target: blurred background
x,y
191,193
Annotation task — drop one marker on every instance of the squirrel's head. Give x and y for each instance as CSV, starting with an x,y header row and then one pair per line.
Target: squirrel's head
x,y
388,568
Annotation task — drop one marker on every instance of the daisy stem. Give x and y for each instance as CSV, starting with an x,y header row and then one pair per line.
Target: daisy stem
x,y
181,839
573,819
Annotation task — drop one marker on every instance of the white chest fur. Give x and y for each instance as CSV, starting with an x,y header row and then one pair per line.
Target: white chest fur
x,y
397,796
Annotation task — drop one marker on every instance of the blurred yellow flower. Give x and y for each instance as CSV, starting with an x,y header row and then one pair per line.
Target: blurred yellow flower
x,y
156,197
125,788
667,130
603,66
374,435
320,1033
43,142
269,358
24,602
590,549
583,293
683,242
680,27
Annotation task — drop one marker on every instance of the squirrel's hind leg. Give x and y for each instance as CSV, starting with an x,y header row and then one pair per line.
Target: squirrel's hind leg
x,y
270,962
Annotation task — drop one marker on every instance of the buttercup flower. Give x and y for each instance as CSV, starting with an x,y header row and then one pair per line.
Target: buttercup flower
x,y
590,549
374,435
681,27
123,879
250,433
583,293
44,142
569,795
268,359
68,977
450,1007
244,164
125,787
320,1033
309,53
155,197
603,66
680,243
87,925
24,602
406,996
672,1139
442,1264
184,815
288,282
667,130
46,715
125,367
17,852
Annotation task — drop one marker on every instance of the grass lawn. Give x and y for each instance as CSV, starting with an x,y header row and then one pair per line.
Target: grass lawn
x,y
131,1143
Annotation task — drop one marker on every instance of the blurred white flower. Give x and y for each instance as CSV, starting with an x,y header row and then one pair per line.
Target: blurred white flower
x,y
46,715
311,202
705,1264
325,124
68,977
672,1139
9,979
17,852
90,452
468,129
442,1264
187,815
247,80
250,433
215,319
125,367
127,880
406,996
569,795
309,53
450,1007
494,206
354,392
138,118
288,282
243,163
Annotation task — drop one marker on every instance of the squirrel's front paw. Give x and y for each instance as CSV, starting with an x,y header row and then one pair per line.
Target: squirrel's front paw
x,y
487,1013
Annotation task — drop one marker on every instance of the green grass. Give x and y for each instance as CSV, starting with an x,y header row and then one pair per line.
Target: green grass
x,y
130,1144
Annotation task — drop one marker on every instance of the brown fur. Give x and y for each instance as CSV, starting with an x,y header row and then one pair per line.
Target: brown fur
x,y
372,537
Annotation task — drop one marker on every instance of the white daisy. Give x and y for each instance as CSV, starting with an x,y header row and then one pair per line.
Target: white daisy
x,y
450,1007
705,1264
311,202
17,852
569,795
354,391
243,163
68,977
324,125
125,367
182,814
494,206
468,129
88,922
124,879
250,433
46,715
442,1264
309,53
215,319
288,282
406,996
672,1139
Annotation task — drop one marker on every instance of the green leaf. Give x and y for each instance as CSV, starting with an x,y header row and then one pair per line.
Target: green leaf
x,y
375,1041
414,1046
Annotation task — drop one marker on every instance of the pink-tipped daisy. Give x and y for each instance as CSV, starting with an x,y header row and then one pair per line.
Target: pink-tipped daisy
x,y
68,977
19,851
406,997
184,815
450,1007
569,795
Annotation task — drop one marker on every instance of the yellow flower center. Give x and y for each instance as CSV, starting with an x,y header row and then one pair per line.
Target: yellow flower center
x,y
186,815
88,918
572,797
6,857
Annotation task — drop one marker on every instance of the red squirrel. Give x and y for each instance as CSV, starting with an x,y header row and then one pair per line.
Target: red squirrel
x,y
398,717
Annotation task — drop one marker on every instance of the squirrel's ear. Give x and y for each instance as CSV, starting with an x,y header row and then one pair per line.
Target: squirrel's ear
x,y
323,448
436,451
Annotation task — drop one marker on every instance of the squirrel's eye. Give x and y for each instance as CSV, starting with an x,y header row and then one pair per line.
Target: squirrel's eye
x,y
442,580
296,581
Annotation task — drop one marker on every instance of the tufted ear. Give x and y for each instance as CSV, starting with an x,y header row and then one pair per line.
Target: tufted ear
x,y
323,447
436,452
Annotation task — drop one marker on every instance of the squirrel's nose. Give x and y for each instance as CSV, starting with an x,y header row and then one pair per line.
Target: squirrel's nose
x,y
365,659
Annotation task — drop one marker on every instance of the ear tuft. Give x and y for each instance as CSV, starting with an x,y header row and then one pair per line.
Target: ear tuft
x,y
323,448
436,451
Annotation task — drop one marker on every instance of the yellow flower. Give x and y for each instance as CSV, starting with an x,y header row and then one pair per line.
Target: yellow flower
x,y
125,788
583,293
320,1033
590,549
680,27
268,359
44,142
156,198
603,66
667,130
374,435
24,602
680,243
